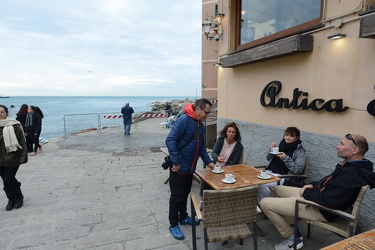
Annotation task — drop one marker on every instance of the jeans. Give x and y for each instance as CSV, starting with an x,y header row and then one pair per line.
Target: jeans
x,y
127,126
180,186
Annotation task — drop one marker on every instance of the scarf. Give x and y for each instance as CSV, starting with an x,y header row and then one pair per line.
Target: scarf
x,y
29,120
10,139
277,165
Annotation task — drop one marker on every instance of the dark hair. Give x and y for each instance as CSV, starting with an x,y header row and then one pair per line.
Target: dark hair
x,y
23,107
293,131
37,110
223,132
201,103
5,108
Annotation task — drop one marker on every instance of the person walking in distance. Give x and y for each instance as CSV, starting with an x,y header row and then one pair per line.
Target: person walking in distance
x,y
13,153
127,112
186,143
33,126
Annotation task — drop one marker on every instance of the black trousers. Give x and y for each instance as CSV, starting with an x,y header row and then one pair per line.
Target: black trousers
x,y
11,184
180,186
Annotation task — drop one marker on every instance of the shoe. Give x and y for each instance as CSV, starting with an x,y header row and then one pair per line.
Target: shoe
x,y
259,211
188,221
33,154
288,244
10,205
128,133
40,149
18,202
176,232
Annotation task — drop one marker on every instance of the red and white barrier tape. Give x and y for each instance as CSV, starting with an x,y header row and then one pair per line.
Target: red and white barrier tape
x,y
112,116
152,115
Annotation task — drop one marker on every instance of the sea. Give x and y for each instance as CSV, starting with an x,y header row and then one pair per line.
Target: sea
x,y
59,111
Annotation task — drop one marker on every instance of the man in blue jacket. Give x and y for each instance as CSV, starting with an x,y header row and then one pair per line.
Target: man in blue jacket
x,y
186,144
127,112
338,190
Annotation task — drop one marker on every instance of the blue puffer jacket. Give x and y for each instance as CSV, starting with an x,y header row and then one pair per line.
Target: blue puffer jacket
x,y
181,133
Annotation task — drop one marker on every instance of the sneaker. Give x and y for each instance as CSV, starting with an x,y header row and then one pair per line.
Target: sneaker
x,y
188,221
40,149
176,232
288,244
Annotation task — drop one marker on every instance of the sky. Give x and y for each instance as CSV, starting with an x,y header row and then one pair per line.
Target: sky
x,y
100,47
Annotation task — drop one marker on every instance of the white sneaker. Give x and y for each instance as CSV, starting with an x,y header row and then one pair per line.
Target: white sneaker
x,y
259,211
288,244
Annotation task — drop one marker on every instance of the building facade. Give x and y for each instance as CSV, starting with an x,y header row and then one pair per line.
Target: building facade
x,y
280,67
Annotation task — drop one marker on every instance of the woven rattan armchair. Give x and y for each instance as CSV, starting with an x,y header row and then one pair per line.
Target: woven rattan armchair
x,y
226,214
298,179
345,225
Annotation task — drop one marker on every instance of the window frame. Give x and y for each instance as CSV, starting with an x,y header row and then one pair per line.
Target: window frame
x,y
312,24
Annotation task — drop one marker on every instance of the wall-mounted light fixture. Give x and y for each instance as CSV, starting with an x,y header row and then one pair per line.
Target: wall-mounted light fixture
x,y
336,36
207,29
217,64
337,24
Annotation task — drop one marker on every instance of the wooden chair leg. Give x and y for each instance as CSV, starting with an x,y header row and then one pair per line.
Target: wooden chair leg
x,y
166,181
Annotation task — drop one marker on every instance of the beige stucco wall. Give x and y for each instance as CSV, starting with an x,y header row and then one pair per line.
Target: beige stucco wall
x,y
335,69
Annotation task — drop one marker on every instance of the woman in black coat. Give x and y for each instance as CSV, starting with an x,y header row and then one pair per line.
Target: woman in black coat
x,y
13,153
33,126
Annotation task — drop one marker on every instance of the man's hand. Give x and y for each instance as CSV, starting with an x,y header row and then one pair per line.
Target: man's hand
x,y
211,165
176,168
301,190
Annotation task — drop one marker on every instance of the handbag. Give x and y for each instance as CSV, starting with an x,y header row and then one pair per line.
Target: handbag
x,y
167,160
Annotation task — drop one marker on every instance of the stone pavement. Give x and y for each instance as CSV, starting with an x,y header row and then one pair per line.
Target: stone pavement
x,y
104,190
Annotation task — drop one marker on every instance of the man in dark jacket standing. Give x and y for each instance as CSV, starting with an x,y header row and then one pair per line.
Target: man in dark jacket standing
x,y
338,190
186,144
127,112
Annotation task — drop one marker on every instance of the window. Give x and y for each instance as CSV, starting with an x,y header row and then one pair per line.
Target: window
x,y
261,21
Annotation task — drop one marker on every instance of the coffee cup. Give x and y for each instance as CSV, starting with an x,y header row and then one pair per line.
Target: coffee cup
x,y
229,177
263,173
217,168
275,150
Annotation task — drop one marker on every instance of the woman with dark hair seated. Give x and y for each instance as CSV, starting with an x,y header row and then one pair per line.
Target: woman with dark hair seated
x,y
227,149
290,159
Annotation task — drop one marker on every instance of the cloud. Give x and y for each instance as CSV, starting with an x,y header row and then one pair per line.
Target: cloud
x,y
95,47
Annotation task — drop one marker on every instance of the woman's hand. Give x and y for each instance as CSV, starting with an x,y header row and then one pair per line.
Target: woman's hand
x,y
281,155
220,159
273,144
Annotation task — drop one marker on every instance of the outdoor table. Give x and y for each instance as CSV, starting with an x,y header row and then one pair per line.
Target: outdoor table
x,y
245,176
363,241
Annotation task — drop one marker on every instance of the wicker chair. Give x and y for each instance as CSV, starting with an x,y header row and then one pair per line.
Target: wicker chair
x,y
300,178
226,214
345,225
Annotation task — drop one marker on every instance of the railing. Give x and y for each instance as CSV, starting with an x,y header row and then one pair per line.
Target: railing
x,y
74,123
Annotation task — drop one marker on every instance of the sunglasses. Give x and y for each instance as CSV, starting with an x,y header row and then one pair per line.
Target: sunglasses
x,y
207,112
350,137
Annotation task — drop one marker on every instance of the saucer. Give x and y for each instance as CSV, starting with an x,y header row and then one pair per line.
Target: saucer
x,y
221,171
264,178
275,153
229,182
